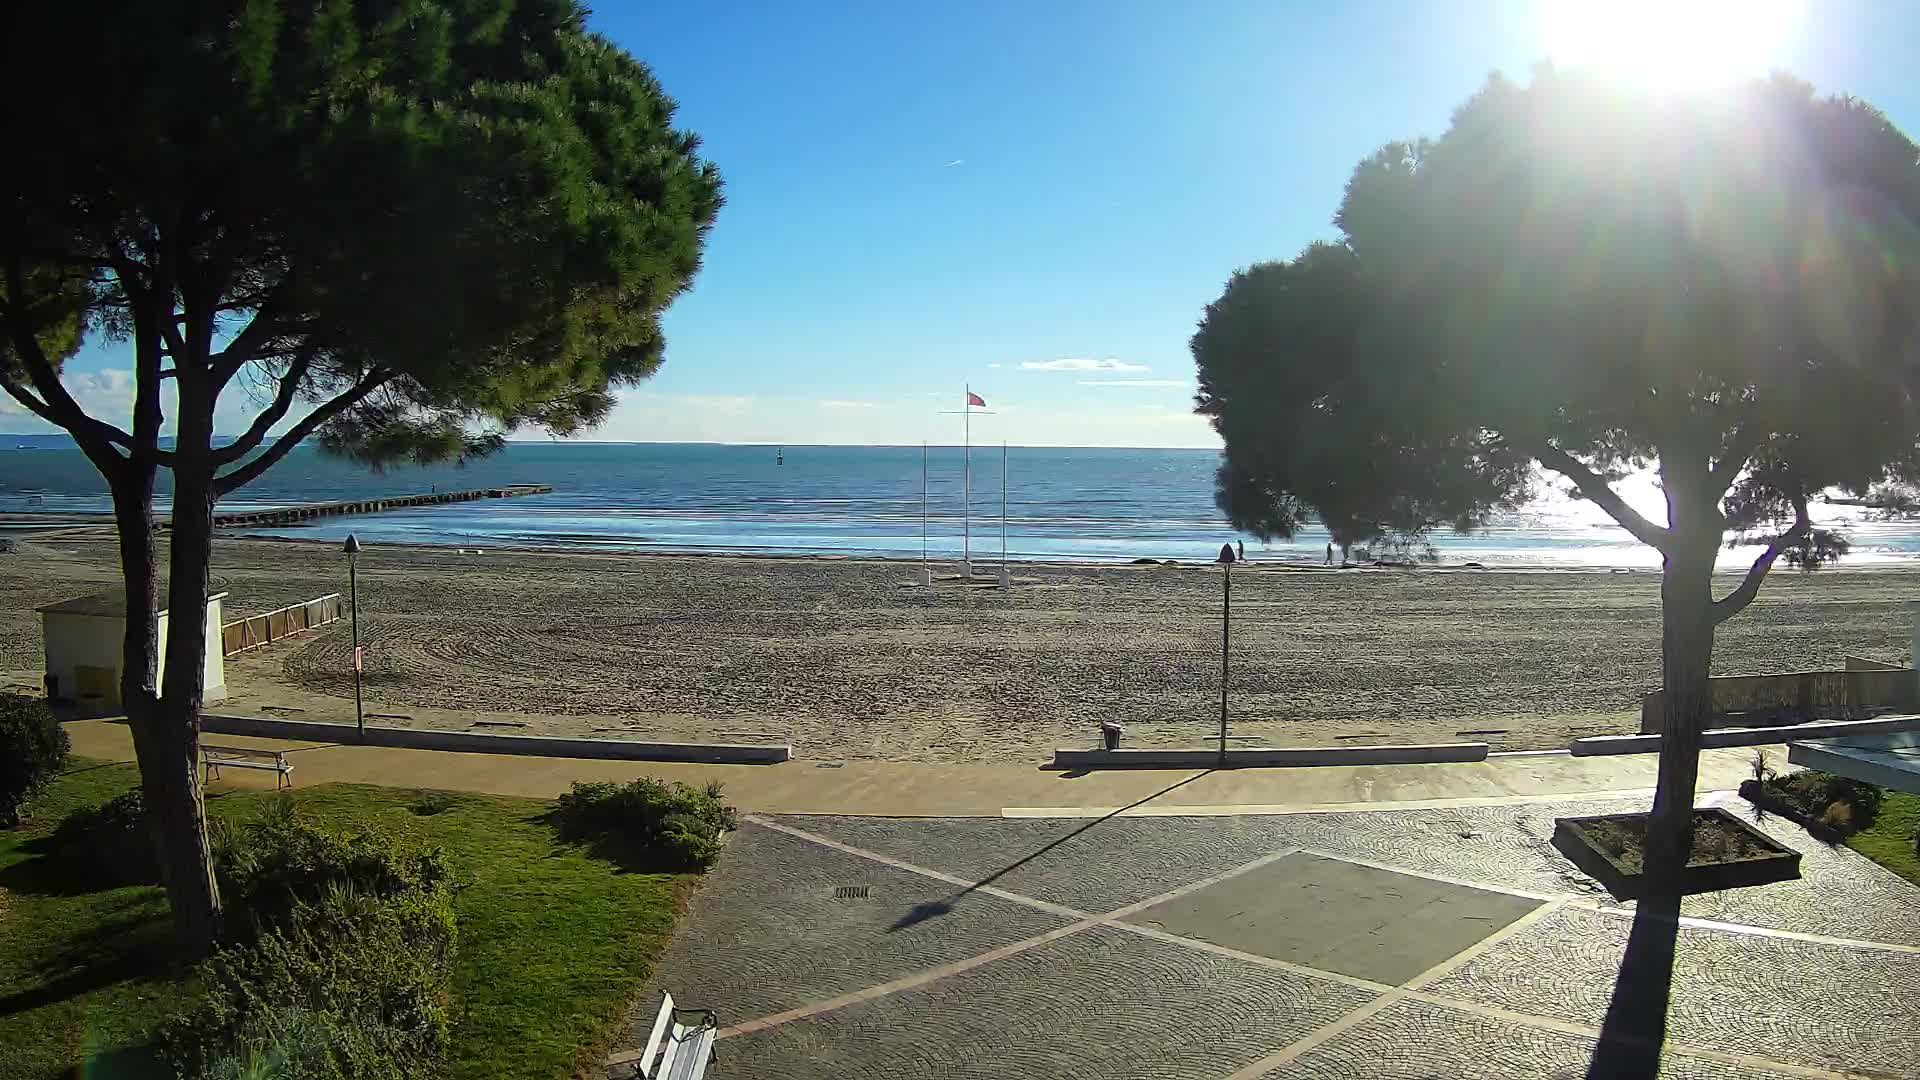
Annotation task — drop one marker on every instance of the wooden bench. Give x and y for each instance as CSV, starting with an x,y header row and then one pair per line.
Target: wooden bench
x,y
681,1046
215,758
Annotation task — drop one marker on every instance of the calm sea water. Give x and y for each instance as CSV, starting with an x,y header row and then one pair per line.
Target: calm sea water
x,y
1075,503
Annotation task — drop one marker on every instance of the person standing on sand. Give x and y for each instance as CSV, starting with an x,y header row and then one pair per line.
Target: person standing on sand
x,y
1329,554
1243,549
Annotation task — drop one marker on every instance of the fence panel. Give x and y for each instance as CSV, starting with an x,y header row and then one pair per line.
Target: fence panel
x,y
257,630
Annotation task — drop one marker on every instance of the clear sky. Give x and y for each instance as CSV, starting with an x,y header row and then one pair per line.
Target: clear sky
x,y
1038,199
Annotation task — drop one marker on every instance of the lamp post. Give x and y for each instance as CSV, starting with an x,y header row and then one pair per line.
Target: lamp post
x,y
1226,629
353,594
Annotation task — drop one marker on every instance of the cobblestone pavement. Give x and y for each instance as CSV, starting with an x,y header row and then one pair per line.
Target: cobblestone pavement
x,y
1434,943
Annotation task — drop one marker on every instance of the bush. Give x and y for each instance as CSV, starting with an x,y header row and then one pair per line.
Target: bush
x,y
347,988
337,963
33,747
109,844
270,865
1840,803
646,823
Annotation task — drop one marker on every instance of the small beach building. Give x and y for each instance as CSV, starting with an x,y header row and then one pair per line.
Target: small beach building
x,y
83,638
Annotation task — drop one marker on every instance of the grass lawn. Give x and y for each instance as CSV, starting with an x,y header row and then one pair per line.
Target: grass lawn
x,y
1890,841
553,943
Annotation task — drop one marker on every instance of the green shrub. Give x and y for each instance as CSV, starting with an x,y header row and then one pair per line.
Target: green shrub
x,y
1840,803
647,824
109,844
337,963
33,747
349,987
270,865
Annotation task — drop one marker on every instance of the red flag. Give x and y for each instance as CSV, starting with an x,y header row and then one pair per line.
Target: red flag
x,y
976,399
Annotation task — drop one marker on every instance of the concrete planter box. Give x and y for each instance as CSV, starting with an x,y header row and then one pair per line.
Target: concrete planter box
x,y
1624,880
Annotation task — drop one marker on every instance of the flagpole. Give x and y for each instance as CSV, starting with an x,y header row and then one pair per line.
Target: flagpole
x,y
926,575
966,513
1005,580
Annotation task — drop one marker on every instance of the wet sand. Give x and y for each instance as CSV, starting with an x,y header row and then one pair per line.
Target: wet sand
x,y
850,659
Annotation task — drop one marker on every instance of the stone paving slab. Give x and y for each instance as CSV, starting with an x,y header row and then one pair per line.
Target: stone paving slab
x,y
1339,916
1414,1040
1825,1006
1098,865
1101,1003
1840,893
765,933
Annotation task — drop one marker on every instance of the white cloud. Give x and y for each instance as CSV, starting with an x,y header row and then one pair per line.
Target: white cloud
x,y
955,161
993,365
837,404
1133,382
1077,364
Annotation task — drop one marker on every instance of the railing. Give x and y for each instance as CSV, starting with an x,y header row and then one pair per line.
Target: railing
x,y
257,630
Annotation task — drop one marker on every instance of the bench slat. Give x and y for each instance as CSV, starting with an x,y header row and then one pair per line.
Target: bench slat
x,y
659,1029
696,1051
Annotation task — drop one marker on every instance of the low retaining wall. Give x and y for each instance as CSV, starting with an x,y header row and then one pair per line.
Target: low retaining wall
x,y
1244,756
1799,696
482,743
1716,738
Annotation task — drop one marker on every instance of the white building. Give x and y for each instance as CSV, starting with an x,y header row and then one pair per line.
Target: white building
x,y
85,639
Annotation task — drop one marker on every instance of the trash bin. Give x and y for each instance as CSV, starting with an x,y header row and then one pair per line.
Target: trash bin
x,y
1110,734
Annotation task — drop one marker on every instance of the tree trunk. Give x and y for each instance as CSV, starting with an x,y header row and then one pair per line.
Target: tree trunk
x,y
1686,660
180,815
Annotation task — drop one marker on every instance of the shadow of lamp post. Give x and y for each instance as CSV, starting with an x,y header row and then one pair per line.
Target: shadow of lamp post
x,y
353,594
1226,631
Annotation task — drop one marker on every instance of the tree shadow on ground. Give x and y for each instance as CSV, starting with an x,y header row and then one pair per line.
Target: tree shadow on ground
x,y
1635,1028
933,909
116,949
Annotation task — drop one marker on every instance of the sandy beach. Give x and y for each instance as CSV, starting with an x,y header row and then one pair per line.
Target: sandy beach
x,y
849,659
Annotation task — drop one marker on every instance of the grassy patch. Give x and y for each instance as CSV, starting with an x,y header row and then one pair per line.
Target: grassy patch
x,y
1889,840
553,942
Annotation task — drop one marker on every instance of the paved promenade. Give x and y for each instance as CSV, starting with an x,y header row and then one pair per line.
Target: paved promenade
x,y
1411,944
973,790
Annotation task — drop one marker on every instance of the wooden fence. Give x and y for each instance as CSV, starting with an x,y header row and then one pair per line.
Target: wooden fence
x,y
257,630
1769,700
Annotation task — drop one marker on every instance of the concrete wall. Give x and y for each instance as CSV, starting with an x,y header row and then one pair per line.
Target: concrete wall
x,y
73,641
485,743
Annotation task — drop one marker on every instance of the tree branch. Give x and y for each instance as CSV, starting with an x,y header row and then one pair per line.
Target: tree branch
x,y
1595,487
307,425
245,346
273,414
94,436
1736,601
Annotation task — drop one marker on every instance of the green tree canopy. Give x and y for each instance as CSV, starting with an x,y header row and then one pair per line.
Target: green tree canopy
x,y
1723,287
405,226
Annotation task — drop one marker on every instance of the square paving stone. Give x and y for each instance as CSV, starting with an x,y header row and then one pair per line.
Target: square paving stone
x,y
766,932
1101,1003
1825,1006
1339,916
1414,1040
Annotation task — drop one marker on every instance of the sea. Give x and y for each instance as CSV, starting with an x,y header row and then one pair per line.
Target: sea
x,y
1046,504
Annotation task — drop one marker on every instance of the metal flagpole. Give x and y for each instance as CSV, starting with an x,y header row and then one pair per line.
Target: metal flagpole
x,y
1005,580
966,513
926,574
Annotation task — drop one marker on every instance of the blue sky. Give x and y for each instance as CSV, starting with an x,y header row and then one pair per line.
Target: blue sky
x,y
923,196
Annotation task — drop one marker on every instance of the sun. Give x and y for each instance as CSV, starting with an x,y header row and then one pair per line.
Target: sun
x,y
1675,44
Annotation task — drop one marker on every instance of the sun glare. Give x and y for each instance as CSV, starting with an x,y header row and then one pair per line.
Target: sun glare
x,y
1676,44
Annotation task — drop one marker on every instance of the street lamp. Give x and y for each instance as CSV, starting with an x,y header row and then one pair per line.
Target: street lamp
x,y
1226,606
353,592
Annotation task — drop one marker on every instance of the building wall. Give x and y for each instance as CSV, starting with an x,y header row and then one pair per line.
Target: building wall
x,y
75,641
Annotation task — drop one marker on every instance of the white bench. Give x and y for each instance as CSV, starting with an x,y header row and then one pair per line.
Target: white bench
x,y
215,758
677,1049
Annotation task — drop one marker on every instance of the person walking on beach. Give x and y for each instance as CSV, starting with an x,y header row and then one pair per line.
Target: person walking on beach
x,y
1243,549
1329,554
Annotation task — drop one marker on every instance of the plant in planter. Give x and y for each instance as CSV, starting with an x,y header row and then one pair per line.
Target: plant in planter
x,y
1726,853
33,746
1829,806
